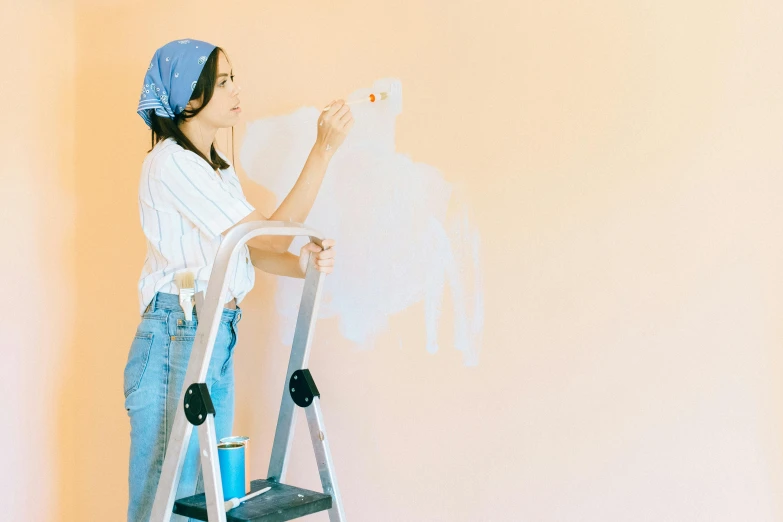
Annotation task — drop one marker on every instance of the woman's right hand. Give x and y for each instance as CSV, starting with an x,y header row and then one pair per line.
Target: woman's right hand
x,y
333,126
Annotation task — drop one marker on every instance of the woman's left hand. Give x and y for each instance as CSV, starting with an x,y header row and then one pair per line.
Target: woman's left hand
x,y
324,257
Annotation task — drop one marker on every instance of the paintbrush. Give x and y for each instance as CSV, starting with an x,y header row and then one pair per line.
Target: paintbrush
x,y
372,98
185,282
234,502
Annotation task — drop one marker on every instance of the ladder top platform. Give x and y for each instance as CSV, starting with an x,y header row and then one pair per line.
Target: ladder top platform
x,y
282,502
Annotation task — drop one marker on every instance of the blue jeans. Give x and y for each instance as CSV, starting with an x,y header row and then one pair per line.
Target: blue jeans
x,y
153,379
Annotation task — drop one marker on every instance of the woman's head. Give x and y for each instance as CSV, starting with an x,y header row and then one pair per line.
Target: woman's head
x,y
185,86
216,95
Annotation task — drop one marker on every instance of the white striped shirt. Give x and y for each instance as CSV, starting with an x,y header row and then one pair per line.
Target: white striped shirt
x,y
184,206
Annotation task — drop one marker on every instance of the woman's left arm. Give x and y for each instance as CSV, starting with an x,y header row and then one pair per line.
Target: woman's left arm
x,y
277,263
290,265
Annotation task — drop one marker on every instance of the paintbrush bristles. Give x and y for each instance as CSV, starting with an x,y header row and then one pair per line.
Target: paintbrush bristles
x,y
185,280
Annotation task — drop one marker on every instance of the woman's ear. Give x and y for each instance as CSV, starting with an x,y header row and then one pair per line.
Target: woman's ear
x,y
193,105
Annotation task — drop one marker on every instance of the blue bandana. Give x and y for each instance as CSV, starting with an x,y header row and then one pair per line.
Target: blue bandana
x,y
171,78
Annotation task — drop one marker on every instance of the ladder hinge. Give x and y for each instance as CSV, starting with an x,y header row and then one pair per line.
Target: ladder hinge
x,y
198,403
302,388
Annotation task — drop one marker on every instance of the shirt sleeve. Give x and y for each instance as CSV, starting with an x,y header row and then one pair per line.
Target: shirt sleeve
x,y
195,191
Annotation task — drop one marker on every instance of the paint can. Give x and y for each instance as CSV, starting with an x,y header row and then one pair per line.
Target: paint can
x,y
231,456
246,442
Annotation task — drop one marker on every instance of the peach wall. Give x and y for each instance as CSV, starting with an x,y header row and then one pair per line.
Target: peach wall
x,y
622,161
38,214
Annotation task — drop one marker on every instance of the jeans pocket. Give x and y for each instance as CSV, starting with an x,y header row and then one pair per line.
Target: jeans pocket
x,y
138,357
184,330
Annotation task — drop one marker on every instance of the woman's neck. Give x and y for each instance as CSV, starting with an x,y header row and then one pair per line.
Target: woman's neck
x,y
200,135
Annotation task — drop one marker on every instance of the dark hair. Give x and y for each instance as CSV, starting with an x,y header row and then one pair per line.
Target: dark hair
x,y
163,128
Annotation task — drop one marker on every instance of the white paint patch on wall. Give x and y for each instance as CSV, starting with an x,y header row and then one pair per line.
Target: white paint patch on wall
x,y
402,231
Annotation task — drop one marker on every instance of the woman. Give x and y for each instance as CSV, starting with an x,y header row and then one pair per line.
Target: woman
x,y
189,197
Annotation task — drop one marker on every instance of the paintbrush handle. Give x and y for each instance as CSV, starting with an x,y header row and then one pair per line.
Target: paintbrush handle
x,y
353,102
234,502
255,493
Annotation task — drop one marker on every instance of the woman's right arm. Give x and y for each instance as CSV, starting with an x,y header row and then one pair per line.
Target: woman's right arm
x,y
297,204
333,127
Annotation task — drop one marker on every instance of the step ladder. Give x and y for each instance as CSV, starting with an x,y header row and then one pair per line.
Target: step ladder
x,y
282,502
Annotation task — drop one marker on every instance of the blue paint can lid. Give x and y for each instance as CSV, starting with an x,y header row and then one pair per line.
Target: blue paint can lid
x,y
239,439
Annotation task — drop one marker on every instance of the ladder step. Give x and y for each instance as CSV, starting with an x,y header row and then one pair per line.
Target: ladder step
x,y
282,502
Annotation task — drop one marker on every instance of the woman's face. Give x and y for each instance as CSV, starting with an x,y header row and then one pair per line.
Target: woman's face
x,y
220,112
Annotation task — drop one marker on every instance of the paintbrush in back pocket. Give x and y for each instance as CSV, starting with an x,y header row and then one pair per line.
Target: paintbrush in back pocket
x,y
186,282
